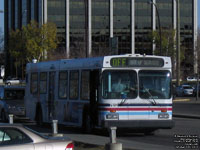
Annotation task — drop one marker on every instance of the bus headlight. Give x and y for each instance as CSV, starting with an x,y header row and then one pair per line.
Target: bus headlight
x,y
113,116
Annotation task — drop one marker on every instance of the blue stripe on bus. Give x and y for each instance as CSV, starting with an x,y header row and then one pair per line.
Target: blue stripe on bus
x,y
138,105
135,113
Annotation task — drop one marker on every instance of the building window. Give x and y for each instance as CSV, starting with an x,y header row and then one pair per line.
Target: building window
x,y
122,25
143,27
100,27
57,13
78,27
24,12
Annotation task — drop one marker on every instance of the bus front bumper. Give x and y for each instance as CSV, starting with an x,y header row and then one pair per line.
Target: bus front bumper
x,y
139,124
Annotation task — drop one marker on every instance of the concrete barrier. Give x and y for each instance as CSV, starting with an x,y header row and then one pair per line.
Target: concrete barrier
x,y
55,127
11,118
113,145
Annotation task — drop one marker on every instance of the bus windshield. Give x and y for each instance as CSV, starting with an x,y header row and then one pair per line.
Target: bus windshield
x,y
119,84
154,84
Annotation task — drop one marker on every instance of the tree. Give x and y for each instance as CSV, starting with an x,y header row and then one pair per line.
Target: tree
x,y
39,40
168,45
32,42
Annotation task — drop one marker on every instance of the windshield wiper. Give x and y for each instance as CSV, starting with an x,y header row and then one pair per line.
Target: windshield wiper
x,y
153,102
123,100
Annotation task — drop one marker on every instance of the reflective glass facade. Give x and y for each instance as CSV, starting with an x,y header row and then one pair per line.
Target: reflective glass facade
x,y
78,25
32,9
100,27
165,10
40,11
186,25
56,14
122,25
93,22
143,27
24,12
10,14
16,14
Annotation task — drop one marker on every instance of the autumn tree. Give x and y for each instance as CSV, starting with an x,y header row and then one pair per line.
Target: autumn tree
x,y
39,40
32,42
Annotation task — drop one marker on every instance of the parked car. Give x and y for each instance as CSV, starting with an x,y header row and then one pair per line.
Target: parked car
x,y
12,101
184,90
11,81
190,78
19,137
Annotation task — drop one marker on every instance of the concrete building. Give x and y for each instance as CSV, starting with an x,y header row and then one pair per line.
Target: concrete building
x,y
87,26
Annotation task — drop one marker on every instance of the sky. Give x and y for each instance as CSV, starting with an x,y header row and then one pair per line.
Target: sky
x,y
2,15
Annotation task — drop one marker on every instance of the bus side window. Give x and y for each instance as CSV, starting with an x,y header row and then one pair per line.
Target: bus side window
x,y
43,83
85,85
63,82
34,83
74,84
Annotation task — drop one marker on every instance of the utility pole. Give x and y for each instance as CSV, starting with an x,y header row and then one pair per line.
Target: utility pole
x,y
178,44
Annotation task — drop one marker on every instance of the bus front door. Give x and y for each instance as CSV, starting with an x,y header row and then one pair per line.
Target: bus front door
x,y
94,95
51,96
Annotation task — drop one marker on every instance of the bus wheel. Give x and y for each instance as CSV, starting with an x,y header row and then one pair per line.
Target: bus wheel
x,y
38,118
87,124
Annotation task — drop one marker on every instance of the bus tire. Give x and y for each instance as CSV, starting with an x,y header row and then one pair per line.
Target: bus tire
x,y
39,117
87,123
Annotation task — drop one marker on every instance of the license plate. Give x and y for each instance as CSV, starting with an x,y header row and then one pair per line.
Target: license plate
x,y
163,115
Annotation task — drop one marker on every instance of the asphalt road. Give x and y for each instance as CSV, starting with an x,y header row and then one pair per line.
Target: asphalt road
x,y
167,138
162,139
191,107
185,133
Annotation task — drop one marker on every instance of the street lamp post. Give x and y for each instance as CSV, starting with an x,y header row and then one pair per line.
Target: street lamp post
x,y
178,44
151,2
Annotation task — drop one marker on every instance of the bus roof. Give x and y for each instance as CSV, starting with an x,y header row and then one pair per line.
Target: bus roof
x,y
91,63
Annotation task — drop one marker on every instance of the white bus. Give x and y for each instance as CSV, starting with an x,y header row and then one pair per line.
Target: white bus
x,y
126,91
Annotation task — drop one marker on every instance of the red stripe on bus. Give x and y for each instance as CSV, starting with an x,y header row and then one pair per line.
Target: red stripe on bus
x,y
135,109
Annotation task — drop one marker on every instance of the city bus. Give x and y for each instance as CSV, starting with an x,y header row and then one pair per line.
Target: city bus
x,y
129,91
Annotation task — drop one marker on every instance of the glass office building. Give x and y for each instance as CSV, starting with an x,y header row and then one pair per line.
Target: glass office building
x,y
87,27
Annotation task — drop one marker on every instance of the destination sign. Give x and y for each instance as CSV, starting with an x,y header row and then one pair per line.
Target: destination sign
x,y
136,62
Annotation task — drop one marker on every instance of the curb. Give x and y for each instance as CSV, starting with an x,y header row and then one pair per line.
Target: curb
x,y
186,116
181,100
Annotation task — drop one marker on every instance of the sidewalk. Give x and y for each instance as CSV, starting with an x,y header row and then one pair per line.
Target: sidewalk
x,y
186,107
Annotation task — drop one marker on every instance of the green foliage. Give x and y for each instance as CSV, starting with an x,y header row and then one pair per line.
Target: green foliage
x,y
33,41
168,43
